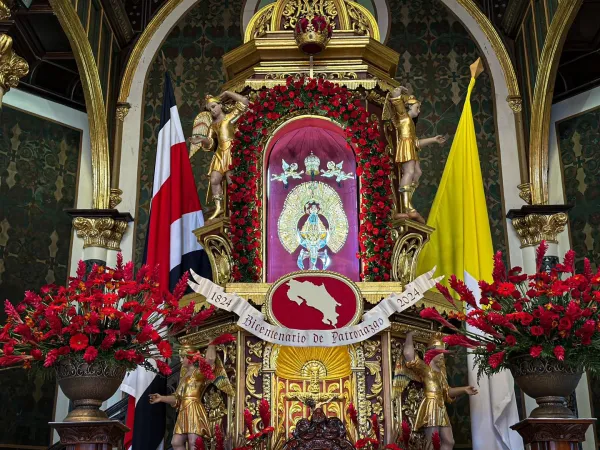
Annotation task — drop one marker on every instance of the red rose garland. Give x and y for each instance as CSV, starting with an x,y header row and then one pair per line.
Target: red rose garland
x,y
315,96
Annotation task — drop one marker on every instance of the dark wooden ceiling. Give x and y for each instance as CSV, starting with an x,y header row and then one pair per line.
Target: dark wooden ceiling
x,y
39,38
579,68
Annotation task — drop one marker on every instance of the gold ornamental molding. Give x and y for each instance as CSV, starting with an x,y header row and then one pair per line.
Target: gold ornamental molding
x,y
12,66
542,98
140,46
100,228
104,232
94,101
514,97
284,14
5,6
535,228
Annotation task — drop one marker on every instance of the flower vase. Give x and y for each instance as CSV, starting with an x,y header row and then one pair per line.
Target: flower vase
x,y
88,385
549,381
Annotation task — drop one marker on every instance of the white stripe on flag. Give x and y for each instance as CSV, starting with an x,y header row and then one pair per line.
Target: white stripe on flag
x,y
494,409
170,134
183,240
136,382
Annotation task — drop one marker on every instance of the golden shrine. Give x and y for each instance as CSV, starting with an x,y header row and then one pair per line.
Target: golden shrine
x,y
367,374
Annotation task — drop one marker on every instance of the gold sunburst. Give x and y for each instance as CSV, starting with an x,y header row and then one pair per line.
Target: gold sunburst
x,y
293,362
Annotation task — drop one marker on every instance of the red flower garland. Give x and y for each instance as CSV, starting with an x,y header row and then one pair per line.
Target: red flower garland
x,y
315,96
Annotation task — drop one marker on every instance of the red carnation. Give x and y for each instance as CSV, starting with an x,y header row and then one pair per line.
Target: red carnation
x,y
165,349
90,355
536,330
79,342
163,367
496,359
559,352
535,351
511,340
36,353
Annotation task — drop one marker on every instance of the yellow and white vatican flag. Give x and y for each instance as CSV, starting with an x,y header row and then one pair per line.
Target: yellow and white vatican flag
x,y
462,244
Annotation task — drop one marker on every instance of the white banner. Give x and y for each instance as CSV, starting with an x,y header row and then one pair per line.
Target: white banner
x,y
373,321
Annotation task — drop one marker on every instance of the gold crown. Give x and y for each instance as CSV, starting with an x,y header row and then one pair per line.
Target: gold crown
x,y
211,99
411,100
309,38
436,342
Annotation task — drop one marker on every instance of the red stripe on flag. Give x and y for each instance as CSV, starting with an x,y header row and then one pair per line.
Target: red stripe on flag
x,y
129,422
174,199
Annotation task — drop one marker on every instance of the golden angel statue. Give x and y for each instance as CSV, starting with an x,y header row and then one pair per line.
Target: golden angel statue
x,y
225,111
432,414
403,111
192,418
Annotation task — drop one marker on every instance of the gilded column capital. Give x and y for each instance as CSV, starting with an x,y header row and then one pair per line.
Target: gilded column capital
x,y
12,66
537,223
122,110
525,192
515,102
100,228
215,240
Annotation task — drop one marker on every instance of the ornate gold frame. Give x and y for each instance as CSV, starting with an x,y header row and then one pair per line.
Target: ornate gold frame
x,y
262,185
94,101
268,311
542,98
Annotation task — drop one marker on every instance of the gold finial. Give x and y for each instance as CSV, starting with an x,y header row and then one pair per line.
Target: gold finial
x,y
476,68
436,342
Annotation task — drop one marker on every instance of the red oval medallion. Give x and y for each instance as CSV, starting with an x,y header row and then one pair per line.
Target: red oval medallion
x,y
320,301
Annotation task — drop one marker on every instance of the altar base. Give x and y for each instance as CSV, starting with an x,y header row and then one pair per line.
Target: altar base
x,y
553,434
98,435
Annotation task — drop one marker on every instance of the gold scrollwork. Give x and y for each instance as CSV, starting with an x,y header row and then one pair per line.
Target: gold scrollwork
x,y
206,335
253,370
294,9
515,102
115,198
122,110
535,228
215,240
409,238
215,407
525,192
104,232
5,7
12,66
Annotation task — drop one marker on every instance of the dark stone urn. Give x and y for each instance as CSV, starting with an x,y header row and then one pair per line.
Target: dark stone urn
x,y
88,386
549,382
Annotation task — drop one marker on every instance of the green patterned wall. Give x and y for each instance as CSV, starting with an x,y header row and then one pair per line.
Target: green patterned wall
x,y
38,172
579,146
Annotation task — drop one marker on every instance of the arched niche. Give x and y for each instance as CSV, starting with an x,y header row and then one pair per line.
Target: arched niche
x,y
302,142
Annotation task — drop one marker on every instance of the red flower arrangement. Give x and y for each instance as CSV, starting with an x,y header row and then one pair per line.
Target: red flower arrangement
x,y
321,97
262,438
550,315
106,314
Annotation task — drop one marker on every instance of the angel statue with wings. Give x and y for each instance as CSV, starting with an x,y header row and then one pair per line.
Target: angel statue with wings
x,y
289,171
192,418
403,111
431,371
335,170
216,131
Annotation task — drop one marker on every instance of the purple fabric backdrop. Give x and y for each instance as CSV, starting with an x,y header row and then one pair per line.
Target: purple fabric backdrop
x,y
293,144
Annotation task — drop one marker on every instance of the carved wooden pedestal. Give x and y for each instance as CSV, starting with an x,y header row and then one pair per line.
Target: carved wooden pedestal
x,y
101,435
553,434
214,237
409,239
